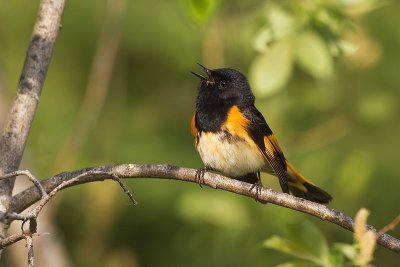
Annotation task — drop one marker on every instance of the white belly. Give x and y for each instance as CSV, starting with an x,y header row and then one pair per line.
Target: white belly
x,y
232,156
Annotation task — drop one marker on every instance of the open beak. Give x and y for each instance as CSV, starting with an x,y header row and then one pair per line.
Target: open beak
x,y
209,79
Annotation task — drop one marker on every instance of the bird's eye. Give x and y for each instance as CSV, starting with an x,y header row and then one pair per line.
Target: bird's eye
x,y
223,84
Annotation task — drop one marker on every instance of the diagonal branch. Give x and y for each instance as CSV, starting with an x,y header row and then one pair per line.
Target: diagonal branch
x,y
30,195
20,117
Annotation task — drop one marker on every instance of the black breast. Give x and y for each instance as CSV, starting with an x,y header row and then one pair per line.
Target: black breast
x,y
211,113
211,119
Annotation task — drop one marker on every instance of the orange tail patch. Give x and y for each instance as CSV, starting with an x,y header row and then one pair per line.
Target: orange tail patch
x,y
301,187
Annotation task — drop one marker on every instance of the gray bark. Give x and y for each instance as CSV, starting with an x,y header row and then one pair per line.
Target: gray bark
x,y
22,112
29,196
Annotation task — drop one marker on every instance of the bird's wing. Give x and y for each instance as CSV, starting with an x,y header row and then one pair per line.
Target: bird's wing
x,y
262,135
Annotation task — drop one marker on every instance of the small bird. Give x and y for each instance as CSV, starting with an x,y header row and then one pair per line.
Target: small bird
x,y
233,138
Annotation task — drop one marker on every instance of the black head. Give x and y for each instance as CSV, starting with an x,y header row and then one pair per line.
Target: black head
x,y
225,87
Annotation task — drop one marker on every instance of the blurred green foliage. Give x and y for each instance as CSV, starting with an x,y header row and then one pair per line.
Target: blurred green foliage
x,y
307,244
201,10
337,120
308,33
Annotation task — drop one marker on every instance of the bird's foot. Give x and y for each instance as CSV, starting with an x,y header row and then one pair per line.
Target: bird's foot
x,y
199,176
258,186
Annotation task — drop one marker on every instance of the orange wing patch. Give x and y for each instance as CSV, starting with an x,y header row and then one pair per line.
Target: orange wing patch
x,y
237,123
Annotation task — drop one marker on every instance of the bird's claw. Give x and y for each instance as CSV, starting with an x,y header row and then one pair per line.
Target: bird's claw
x,y
199,176
258,186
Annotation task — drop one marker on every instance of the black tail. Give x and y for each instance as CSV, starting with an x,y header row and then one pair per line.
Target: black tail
x,y
312,193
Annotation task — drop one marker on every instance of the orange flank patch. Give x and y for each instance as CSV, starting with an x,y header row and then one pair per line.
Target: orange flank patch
x,y
237,123
193,125
194,129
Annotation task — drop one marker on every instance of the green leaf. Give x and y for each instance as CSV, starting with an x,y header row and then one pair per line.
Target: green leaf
x,y
310,238
347,250
271,70
337,258
280,21
288,247
262,40
296,264
360,7
312,55
201,10
342,47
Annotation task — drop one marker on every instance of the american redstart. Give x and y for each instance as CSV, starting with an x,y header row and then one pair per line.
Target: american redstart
x,y
233,138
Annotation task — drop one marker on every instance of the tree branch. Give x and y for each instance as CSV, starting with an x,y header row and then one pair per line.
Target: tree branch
x,y
12,239
5,242
30,195
29,246
19,120
390,226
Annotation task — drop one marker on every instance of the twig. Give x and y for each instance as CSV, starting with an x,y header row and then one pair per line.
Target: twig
x,y
5,242
14,216
126,190
76,180
31,178
29,216
8,241
29,246
29,196
45,197
32,215
390,226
